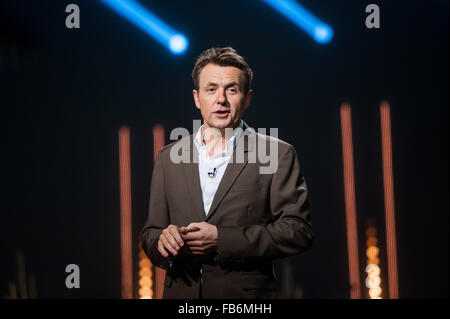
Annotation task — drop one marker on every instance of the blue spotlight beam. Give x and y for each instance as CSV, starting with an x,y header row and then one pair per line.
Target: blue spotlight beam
x,y
318,30
176,42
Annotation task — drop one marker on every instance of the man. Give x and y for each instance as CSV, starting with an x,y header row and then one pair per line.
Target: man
x,y
216,222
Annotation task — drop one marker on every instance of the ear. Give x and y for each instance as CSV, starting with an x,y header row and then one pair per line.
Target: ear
x,y
248,97
195,94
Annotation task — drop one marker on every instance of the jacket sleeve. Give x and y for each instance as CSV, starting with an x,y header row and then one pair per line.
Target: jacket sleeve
x,y
290,231
158,217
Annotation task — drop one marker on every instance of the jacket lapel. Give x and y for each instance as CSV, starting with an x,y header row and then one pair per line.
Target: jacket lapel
x,y
232,172
193,181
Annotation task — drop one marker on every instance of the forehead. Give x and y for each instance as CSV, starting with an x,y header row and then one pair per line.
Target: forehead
x,y
219,74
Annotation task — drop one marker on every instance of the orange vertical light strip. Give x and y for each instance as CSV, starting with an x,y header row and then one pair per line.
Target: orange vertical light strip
x,y
350,202
125,212
388,180
158,143
145,276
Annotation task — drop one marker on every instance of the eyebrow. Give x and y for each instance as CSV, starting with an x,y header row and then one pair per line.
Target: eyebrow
x,y
234,83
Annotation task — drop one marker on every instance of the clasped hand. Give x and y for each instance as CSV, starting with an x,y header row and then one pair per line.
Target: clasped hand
x,y
195,239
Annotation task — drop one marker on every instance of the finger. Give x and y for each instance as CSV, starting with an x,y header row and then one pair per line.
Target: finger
x,y
194,243
183,230
171,239
168,246
162,250
197,248
194,229
167,236
192,236
175,233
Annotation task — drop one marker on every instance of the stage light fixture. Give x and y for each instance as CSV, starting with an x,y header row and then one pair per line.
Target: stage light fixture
x,y
296,13
134,12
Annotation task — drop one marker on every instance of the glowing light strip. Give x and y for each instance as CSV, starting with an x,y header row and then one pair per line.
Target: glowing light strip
x,y
318,30
176,42
125,212
373,279
350,202
158,143
158,139
388,181
145,276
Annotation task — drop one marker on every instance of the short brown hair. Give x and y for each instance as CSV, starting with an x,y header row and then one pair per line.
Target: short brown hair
x,y
226,56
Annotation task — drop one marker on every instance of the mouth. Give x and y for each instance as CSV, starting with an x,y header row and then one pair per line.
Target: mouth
x,y
222,113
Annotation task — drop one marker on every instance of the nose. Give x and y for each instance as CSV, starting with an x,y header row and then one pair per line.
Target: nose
x,y
221,97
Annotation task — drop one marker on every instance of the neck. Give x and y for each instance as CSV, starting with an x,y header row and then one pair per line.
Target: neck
x,y
215,143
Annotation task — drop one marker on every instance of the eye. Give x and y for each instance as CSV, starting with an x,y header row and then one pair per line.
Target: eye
x,y
232,90
210,90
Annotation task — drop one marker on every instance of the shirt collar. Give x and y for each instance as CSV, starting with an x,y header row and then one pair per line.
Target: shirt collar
x,y
232,141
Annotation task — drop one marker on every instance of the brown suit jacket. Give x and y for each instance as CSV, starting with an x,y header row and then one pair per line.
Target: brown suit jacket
x,y
259,217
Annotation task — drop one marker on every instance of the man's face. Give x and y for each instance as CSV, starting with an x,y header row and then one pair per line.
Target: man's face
x,y
221,98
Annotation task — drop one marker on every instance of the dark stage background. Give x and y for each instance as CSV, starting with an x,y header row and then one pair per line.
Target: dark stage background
x,y
64,93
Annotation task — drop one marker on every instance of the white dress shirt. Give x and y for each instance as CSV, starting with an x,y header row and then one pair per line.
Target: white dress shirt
x,y
214,165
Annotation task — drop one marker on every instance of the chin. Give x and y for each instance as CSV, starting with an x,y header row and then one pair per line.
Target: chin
x,y
222,123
